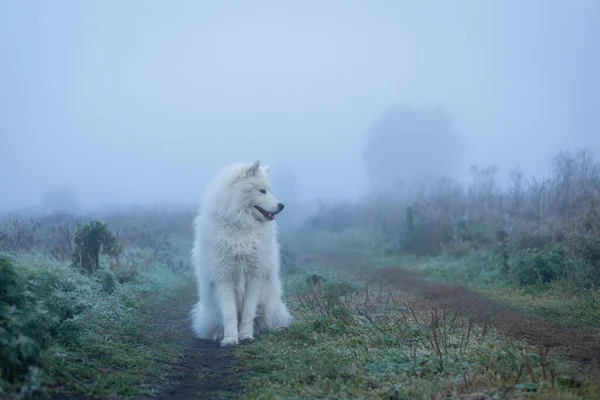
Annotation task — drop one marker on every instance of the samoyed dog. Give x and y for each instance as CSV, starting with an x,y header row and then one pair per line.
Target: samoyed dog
x,y
236,257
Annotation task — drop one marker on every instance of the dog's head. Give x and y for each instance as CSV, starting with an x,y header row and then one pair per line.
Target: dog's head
x,y
254,184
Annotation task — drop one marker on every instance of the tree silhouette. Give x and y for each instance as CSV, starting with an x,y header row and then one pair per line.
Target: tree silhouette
x,y
405,144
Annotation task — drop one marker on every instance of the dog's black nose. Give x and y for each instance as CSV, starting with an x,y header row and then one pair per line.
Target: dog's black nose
x,y
280,205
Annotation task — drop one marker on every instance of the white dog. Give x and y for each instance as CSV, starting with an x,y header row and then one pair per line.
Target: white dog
x,y
236,257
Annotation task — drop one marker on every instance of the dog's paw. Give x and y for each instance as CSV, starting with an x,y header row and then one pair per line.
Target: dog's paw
x,y
229,341
246,336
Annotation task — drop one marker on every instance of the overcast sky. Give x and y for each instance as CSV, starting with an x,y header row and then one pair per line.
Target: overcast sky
x,y
143,101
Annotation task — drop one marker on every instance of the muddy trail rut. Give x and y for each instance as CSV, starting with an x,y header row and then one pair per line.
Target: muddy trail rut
x,y
204,370
579,344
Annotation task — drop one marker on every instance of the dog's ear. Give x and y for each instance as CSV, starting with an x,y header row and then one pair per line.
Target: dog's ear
x,y
252,168
267,168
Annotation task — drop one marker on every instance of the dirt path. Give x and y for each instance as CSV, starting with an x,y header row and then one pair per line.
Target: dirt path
x,y
205,369
205,372
581,344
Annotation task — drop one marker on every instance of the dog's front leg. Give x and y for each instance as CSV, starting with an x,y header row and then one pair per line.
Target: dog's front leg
x,y
228,307
249,308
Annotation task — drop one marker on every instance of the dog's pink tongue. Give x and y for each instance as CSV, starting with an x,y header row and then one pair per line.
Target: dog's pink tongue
x,y
272,215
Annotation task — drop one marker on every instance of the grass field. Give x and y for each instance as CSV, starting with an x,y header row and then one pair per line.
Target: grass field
x,y
358,336
370,323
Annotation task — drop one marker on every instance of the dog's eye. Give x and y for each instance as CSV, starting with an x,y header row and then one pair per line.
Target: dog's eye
x,y
263,191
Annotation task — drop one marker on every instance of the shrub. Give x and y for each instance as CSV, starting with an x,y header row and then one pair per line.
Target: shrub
x,y
25,329
503,239
108,281
532,240
127,268
89,241
41,307
533,266
423,236
581,235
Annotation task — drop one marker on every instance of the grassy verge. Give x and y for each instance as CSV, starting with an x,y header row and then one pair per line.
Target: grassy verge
x,y
557,300
362,251
352,343
68,332
562,300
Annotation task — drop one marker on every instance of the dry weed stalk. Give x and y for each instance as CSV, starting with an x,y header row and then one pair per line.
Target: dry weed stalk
x,y
517,379
466,336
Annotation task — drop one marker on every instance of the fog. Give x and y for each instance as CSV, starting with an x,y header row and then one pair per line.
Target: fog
x,y
141,102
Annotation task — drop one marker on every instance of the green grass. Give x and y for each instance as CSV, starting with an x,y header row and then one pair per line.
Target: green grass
x,y
346,344
74,333
119,358
562,300
558,300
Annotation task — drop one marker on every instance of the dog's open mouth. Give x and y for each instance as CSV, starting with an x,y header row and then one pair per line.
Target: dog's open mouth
x,y
268,215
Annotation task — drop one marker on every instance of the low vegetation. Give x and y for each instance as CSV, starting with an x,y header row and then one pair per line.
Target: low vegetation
x,y
74,324
353,342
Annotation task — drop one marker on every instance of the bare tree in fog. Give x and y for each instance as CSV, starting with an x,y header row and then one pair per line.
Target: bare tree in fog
x,y
575,175
406,143
516,190
484,190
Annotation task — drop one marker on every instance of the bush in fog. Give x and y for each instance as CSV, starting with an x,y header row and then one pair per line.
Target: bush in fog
x,y
533,266
90,240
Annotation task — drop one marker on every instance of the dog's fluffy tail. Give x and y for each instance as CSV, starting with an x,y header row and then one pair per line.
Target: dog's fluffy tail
x,y
205,323
273,316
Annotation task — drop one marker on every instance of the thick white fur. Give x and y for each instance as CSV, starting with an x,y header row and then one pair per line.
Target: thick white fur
x,y
236,258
